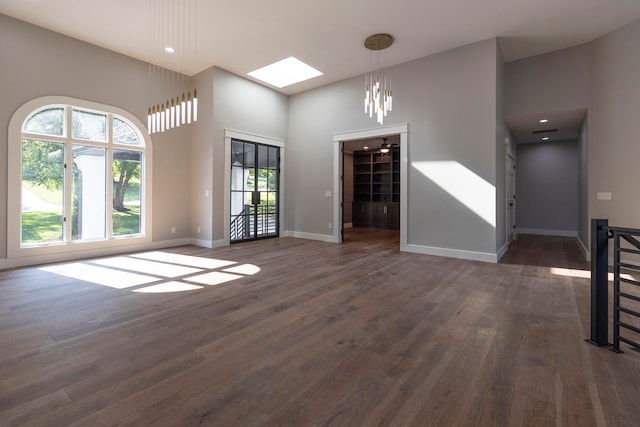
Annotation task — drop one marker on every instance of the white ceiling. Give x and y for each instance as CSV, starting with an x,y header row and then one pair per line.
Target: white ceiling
x,y
242,35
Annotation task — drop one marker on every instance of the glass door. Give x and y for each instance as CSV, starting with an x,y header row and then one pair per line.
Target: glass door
x,y
255,178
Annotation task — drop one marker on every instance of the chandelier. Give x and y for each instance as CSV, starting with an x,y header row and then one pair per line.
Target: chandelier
x,y
378,98
172,49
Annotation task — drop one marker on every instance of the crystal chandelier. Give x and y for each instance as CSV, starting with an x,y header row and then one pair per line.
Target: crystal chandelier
x,y
172,49
378,98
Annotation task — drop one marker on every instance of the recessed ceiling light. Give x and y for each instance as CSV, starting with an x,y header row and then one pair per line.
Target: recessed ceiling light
x,y
543,120
365,148
169,49
286,72
546,138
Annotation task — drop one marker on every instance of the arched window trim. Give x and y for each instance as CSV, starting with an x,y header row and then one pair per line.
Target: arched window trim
x,y
52,252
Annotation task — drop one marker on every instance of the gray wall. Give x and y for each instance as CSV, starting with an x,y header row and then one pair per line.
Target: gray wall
x,y
555,81
614,127
241,105
37,62
501,156
547,188
583,186
449,101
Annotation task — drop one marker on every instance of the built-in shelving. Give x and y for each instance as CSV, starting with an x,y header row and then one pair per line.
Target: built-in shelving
x,y
376,188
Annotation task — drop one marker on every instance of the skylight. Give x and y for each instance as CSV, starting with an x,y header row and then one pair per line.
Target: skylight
x,y
286,72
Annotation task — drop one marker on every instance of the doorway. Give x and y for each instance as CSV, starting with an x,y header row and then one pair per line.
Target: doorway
x,y
255,183
341,140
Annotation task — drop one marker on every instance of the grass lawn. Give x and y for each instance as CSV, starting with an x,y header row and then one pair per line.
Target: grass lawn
x,y
46,227
127,222
41,227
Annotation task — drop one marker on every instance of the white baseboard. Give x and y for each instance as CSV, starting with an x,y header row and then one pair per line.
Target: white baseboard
x,y
209,244
585,251
541,232
101,252
451,253
311,236
502,251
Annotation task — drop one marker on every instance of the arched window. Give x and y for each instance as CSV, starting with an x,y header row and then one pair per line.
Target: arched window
x,y
79,178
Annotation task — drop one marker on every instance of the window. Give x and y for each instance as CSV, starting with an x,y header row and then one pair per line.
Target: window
x,y
82,180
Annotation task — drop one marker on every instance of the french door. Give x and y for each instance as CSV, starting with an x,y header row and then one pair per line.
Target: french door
x,y
255,180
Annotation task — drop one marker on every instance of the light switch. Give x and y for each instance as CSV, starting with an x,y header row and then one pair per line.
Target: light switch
x,y
327,194
604,196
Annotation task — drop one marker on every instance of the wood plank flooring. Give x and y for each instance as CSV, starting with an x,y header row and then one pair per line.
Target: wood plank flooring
x,y
352,334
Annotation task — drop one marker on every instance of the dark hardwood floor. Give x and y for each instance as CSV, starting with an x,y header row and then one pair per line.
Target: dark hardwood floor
x,y
296,332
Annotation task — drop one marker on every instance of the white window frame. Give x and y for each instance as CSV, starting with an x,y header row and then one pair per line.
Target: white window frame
x,y
49,251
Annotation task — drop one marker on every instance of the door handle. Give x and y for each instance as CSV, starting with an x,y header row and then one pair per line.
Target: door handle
x,y
255,197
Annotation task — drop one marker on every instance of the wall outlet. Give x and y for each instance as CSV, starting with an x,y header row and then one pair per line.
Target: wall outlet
x,y
173,230
198,229
206,193
604,196
328,193
330,226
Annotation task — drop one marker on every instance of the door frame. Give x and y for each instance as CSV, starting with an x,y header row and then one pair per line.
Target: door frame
x,y
401,129
510,159
230,134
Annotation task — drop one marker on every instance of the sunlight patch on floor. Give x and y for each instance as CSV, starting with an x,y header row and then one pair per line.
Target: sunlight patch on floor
x,y
584,274
214,278
168,287
152,269
246,269
100,275
148,267
185,260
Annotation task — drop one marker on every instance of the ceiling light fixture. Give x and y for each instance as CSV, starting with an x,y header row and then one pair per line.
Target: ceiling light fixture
x,y
172,50
546,138
378,98
543,120
384,148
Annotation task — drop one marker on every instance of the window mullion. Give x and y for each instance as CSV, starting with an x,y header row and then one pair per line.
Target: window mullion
x,y
68,180
109,192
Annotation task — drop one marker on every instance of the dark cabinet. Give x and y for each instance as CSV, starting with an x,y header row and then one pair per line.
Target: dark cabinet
x,y
376,189
376,214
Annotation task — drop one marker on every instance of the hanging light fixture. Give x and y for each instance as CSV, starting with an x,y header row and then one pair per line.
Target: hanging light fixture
x,y
378,99
172,49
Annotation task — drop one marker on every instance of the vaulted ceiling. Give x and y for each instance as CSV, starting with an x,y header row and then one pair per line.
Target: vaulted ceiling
x,y
243,35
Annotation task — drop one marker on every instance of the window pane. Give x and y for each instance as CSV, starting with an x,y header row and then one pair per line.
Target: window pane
x,y
42,195
126,192
47,122
123,133
89,126
88,217
263,156
273,157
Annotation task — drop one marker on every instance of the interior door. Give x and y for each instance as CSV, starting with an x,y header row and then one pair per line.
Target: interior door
x,y
255,180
